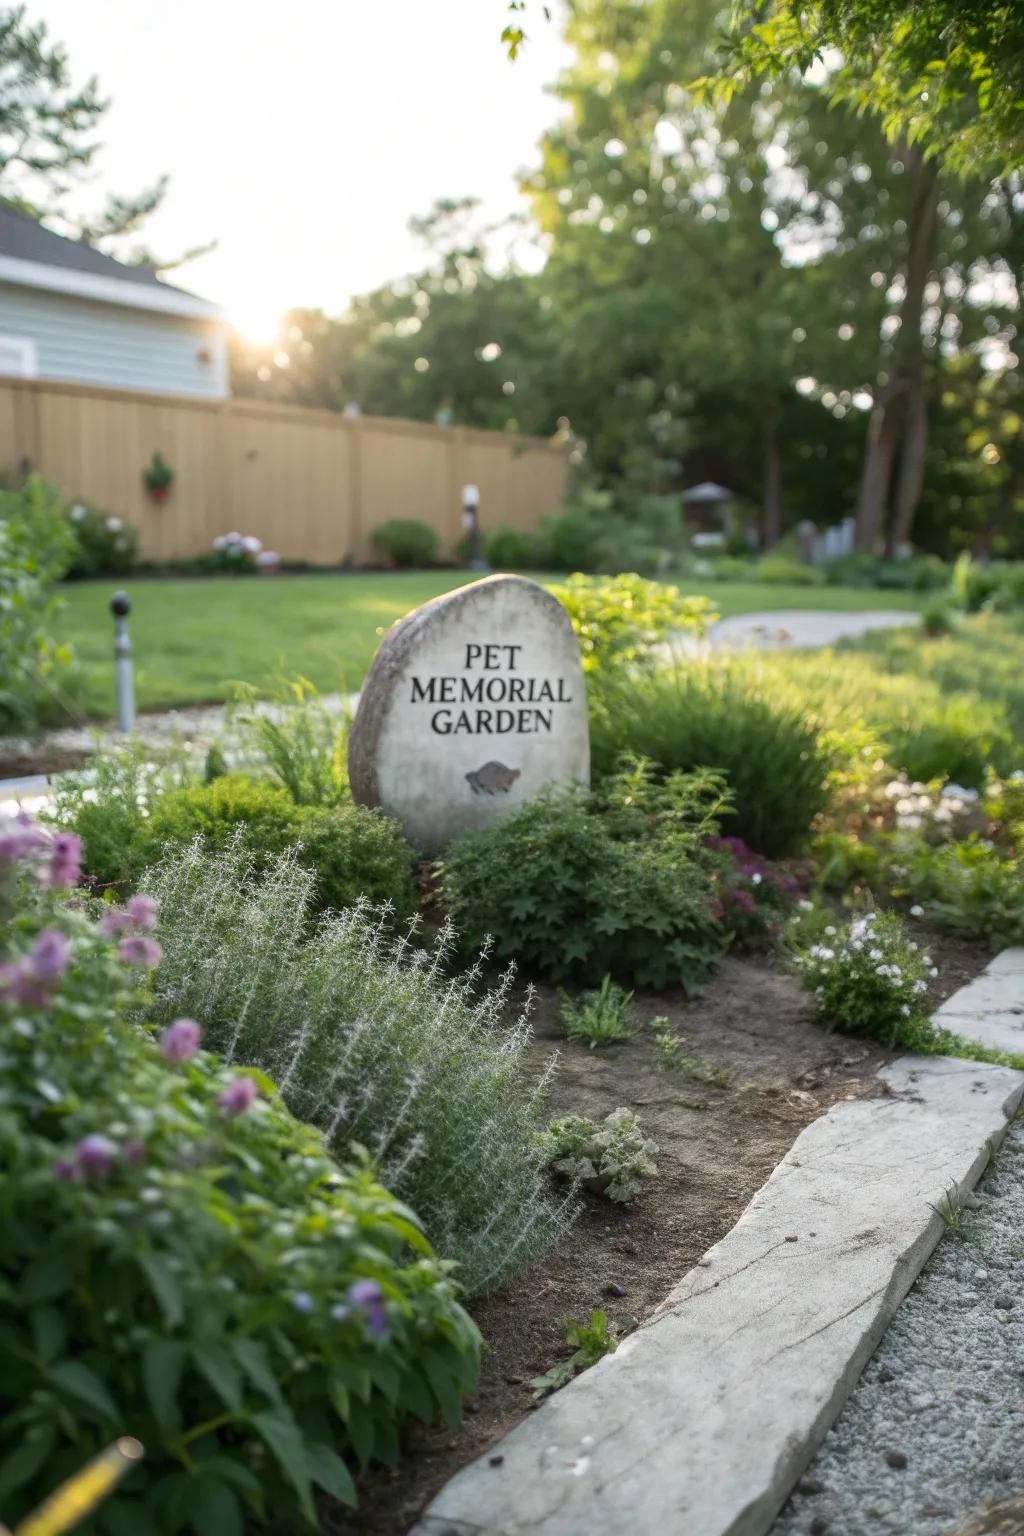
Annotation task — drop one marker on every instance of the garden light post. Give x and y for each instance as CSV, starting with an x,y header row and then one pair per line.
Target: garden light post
x,y
121,607
471,525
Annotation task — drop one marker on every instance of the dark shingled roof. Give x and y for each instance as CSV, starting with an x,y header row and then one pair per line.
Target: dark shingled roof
x,y
22,237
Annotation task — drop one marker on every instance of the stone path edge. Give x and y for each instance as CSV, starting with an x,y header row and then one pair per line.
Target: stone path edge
x,y
704,1419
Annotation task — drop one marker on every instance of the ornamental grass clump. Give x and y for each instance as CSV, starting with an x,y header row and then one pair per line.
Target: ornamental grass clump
x,y
371,1039
868,978
182,1261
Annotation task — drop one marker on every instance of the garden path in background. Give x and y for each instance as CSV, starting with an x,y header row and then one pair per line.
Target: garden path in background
x,y
22,757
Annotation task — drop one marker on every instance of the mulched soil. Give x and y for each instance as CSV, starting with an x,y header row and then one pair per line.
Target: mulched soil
x,y
719,1143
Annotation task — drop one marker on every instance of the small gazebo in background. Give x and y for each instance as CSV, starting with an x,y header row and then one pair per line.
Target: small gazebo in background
x,y
708,514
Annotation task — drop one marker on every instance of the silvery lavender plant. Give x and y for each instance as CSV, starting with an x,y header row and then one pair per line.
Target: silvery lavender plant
x,y
371,1039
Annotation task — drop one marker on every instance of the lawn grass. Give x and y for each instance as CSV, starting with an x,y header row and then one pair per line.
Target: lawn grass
x,y
193,638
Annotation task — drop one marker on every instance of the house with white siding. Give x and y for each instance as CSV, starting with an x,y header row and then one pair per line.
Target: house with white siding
x,y
70,313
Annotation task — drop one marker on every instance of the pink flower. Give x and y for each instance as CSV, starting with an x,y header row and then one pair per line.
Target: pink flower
x,y
49,956
114,921
65,859
141,951
238,1096
141,910
180,1040
95,1155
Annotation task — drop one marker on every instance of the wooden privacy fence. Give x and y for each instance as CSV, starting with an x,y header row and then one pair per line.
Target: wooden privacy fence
x,y
312,485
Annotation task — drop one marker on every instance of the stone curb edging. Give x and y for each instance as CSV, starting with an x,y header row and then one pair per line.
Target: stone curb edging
x,y
705,1417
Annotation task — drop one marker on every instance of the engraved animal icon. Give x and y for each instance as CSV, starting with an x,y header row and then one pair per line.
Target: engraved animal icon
x,y
492,778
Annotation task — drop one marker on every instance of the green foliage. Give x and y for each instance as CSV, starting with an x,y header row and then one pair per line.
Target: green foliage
x,y
405,542
374,1042
969,887
297,740
609,1159
937,619
777,570
711,715
183,1262
36,549
572,881
507,549
671,1056
127,810
589,1341
868,978
158,476
997,586
600,1017
620,621
105,545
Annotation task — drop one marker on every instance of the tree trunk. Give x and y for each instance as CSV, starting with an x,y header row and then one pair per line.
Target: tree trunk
x,y
875,475
771,473
902,402
922,198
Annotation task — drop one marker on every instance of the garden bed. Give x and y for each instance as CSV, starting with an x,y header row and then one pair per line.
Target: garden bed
x,y
719,1142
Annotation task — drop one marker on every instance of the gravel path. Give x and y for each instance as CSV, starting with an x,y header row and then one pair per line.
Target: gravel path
x,y
802,628
936,1423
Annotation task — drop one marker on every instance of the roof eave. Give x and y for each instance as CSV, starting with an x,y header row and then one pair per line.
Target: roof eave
x,y
106,290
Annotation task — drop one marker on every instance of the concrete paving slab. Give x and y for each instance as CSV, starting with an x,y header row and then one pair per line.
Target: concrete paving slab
x,y
990,1009
702,1421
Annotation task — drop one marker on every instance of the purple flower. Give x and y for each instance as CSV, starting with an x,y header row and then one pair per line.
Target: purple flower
x,y
238,1096
141,910
743,901
137,950
65,859
368,1295
114,921
302,1301
18,985
134,1150
180,1040
64,1170
19,836
95,1155
49,956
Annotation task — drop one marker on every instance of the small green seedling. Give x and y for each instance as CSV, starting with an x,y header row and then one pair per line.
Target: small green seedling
x,y
599,1017
589,1341
950,1211
672,1056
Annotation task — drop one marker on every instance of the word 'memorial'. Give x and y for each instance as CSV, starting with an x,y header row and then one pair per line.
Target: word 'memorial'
x,y
474,703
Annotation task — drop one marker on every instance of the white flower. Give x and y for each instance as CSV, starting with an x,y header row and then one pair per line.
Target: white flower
x,y
934,971
895,788
806,906
830,931
113,524
220,542
917,911
78,513
943,813
755,879
920,986
876,954
905,1009
252,545
268,557
960,792
909,823
912,946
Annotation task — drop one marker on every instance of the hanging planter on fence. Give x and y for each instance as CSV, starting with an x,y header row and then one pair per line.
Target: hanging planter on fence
x,y
158,477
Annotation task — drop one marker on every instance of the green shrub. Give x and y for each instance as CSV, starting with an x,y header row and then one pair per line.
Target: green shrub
x,y
997,585
868,978
967,887
104,545
710,715
183,1263
36,548
296,739
405,542
372,1041
608,1159
509,550
127,810
357,854
779,570
622,621
576,885
582,537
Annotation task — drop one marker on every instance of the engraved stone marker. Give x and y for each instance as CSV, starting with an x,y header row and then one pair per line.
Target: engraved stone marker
x,y
473,704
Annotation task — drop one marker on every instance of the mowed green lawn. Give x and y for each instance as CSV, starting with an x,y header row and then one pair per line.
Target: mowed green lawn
x,y
194,638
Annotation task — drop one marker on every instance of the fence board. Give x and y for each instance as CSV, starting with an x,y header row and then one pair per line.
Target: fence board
x,y
311,484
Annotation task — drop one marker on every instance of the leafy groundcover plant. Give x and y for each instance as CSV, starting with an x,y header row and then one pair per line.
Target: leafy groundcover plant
x,y
609,1159
370,1039
182,1262
576,885
868,978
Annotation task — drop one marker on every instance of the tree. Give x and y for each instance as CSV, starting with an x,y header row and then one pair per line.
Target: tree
x,y
946,76
46,136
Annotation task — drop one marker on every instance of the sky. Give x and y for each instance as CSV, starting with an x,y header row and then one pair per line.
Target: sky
x,y
303,136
